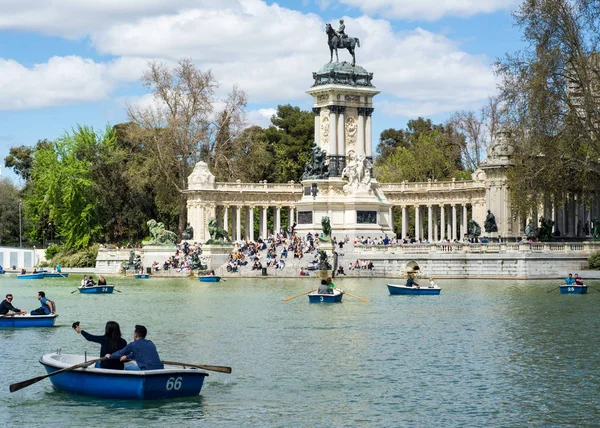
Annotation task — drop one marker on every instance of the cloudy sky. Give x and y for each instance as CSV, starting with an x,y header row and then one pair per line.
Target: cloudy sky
x,y
69,62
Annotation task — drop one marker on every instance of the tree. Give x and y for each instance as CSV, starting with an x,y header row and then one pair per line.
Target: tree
x,y
551,90
20,158
183,127
63,193
251,159
290,137
9,213
477,130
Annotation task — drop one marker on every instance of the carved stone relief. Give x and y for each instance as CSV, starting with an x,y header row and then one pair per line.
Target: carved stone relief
x,y
322,98
354,98
351,128
325,127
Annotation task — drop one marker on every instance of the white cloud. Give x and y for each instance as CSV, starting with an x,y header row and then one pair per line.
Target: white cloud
x,y
60,81
268,50
429,10
260,117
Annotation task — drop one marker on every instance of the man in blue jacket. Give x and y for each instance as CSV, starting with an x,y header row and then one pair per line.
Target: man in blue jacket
x,y
570,280
141,350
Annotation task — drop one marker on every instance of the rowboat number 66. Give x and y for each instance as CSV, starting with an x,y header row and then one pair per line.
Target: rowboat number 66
x,y
174,383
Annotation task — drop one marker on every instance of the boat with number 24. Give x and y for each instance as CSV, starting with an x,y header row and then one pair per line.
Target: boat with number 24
x,y
170,382
98,289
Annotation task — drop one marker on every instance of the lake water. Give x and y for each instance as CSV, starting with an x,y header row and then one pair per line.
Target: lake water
x,y
501,353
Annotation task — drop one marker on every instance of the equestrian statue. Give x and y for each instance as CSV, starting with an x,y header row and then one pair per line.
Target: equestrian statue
x,y
339,39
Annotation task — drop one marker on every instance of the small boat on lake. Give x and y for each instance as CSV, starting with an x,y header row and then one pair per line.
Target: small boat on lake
x,y
573,289
336,297
414,291
141,276
210,278
27,320
170,382
97,289
55,275
39,275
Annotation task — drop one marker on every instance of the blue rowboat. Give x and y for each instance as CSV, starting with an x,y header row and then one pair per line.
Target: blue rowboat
x,y
414,291
326,298
573,289
210,278
27,320
31,276
98,289
55,275
2,272
142,276
170,382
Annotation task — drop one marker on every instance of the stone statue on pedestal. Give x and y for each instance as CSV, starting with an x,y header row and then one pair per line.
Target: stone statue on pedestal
x,y
218,235
160,235
326,225
324,264
474,230
188,233
358,172
317,166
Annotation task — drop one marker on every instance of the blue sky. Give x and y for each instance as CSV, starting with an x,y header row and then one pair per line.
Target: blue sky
x,y
64,63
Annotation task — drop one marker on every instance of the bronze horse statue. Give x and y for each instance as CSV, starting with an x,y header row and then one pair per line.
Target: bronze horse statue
x,y
335,42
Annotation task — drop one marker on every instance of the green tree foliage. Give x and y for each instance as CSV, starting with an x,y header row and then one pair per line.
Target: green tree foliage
x,y
64,191
251,161
551,90
289,138
427,158
9,213
20,158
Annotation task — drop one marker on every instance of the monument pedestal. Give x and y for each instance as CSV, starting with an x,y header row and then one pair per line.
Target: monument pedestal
x,y
157,253
215,255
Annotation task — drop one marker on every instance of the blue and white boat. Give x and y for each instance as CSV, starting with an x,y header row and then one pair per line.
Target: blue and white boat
x,y
414,291
39,275
336,297
27,320
210,278
573,289
55,275
141,276
2,272
97,289
170,382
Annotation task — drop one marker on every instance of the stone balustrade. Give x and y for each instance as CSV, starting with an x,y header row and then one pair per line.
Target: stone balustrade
x,y
465,248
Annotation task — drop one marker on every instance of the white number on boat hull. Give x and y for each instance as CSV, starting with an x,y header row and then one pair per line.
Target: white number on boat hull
x,y
322,298
571,289
174,383
105,289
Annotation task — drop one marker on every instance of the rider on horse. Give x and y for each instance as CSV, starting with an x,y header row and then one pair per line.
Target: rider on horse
x,y
341,31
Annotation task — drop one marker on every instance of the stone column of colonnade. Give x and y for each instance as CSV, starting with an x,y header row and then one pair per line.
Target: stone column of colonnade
x,y
443,220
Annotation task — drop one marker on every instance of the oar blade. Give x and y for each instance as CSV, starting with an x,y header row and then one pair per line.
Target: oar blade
x,y
221,369
20,385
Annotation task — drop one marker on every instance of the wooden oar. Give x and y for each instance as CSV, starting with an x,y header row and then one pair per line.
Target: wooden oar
x,y
293,297
20,385
553,289
352,295
75,291
221,369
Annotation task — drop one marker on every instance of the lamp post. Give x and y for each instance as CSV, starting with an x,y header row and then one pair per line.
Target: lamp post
x,y
20,226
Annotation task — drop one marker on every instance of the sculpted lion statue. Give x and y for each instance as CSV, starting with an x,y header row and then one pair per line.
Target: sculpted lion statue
x,y
217,234
160,236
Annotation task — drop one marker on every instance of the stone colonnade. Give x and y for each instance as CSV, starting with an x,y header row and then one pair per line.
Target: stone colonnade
x,y
340,128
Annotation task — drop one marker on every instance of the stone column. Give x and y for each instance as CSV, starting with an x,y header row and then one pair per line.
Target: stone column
x,y
277,216
263,222
453,222
238,223
404,222
291,218
317,114
576,217
464,221
435,225
360,145
341,134
429,223
332,130
250,224
442,222
226,218
417,222
553,216
368,133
